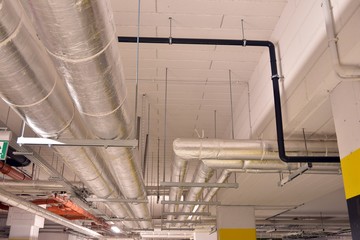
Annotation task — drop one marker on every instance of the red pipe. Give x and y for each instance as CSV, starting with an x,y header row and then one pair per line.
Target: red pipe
x,y
12,172
69,210
69,204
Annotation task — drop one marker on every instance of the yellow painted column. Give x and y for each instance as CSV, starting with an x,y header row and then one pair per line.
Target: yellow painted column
x,y
345,102
236,223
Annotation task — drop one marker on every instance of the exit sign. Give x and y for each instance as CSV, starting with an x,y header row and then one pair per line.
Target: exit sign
x,y
5,137
3,149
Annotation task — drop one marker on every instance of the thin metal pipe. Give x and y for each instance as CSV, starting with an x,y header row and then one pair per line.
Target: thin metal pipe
x,y
215,123
231,106
137,65
199,184
250,122
158,173
274,77
145,154
165,120
242,29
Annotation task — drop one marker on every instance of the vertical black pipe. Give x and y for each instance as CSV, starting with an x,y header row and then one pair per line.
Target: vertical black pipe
x,y
274,78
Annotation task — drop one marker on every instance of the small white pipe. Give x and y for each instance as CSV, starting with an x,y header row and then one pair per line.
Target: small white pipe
x,y
345,72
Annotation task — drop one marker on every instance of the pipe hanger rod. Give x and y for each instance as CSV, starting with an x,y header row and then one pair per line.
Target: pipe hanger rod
x,y
274,77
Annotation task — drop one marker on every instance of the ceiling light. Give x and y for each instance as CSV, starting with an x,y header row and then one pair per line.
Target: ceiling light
x,y
115,229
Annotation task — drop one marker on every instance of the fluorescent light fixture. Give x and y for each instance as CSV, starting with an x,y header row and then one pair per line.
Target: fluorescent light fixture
x,y
115,229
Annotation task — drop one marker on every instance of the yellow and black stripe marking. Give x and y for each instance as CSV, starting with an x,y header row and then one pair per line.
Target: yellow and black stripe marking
x,y
350,166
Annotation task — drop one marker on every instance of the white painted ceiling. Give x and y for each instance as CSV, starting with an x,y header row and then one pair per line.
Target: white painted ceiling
x,y
198,85
198,96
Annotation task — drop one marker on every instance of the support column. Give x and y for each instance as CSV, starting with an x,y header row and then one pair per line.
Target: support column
x,y
236,223
23,225
204,236
345,101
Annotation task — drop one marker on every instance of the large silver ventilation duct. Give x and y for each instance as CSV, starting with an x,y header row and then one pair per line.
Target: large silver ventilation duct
x,y
80,37
15,201
31,86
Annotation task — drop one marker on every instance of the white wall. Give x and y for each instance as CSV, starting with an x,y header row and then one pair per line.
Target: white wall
x,y
305,63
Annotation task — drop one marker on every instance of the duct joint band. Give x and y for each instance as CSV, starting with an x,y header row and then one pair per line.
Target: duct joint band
x,y
276,76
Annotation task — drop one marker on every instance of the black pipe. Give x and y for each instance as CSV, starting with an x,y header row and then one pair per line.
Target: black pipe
x,y
274,78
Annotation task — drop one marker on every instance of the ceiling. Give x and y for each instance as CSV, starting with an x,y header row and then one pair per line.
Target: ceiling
x,y
186,91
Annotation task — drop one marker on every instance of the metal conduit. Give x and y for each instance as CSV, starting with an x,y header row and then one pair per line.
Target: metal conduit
x,y
15,201
274,77
31,86
80,37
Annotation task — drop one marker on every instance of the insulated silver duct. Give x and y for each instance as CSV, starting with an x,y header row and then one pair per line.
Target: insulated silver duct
x,y
32,87
246,149
80,37
202,175
33,184
227,154
179,170
225,174
15,201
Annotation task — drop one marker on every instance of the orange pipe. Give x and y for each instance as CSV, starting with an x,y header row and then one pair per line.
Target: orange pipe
x,y
69,204
12,172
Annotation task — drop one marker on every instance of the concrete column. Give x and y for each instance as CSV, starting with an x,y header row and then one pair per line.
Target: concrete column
x,y
236,223
204,236
345,101
23,225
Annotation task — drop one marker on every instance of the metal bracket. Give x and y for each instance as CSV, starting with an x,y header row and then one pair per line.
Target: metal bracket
x,y
77,142
205,185
135,201
294,175
129,219
190,202
187,213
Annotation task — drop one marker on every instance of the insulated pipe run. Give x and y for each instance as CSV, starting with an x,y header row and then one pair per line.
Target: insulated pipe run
x,y
179,170
345,72
12,172
15,201
246,149
202,175
30,85
274,77
225,174
32,184
80,37
225,154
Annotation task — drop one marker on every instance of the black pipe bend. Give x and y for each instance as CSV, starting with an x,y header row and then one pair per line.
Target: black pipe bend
x,y
274,77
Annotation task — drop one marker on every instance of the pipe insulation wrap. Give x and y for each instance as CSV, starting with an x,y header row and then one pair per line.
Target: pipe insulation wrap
x,y
179,170
29,84
245,149
80,37
225,174
202,175
15,201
